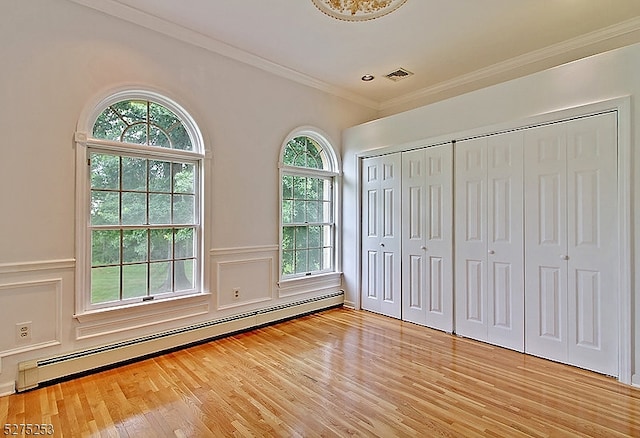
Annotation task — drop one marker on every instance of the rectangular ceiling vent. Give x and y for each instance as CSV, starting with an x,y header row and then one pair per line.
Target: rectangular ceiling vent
x,y
398,74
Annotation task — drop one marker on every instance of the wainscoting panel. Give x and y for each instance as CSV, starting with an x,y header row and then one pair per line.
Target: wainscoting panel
x,y
243,276
33,298
244,281
31,315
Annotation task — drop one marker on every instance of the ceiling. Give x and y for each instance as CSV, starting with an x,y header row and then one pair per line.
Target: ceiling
x,y
451,46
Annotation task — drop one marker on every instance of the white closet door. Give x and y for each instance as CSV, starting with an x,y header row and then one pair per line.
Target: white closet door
x,y
489,240
427,246
592,243
471,238
505,236
546,242
381,240
571,241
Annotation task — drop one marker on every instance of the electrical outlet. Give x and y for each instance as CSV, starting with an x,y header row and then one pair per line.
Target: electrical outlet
x,y
23,332
236,293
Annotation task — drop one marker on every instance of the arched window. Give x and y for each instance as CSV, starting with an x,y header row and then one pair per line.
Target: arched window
x,y
142,122
141,233
309,168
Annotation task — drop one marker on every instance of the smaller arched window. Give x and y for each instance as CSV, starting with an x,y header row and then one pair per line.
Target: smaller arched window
x,y
306,152
142,234
308,197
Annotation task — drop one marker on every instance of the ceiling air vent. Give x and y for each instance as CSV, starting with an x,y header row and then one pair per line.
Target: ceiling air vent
x,y
398,74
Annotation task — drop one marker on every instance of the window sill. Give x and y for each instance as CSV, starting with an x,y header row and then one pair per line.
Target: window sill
x,y
116,319
312,283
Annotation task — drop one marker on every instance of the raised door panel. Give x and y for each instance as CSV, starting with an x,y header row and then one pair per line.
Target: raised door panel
x,y
501,297
592,243
550,305
546,236
475,207
439,295
388,277
370,268
473,297
471,238
413,301
505,236
371,213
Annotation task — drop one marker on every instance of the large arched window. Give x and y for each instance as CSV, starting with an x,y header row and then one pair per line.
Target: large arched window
x,y
141,187
309,168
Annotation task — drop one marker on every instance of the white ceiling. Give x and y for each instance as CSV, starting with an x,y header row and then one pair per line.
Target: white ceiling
x,y
448,44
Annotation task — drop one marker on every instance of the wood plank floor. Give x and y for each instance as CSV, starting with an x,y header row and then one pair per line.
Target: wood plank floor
x,y
336,373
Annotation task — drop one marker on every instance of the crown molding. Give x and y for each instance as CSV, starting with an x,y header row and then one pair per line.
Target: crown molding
x,y
160,25
119,10
565,47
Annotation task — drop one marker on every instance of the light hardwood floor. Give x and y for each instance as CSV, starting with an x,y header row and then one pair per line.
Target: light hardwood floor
x,y
336,373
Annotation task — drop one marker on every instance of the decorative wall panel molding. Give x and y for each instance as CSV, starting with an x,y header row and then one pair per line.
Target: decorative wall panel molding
x,y
45,265
247,281
231,252
244,275
44,320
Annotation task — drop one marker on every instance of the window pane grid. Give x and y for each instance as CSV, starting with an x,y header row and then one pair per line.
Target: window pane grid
x,y
139,269
306,200
113,202
143,226
307,249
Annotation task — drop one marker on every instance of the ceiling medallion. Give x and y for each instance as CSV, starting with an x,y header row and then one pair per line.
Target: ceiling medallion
x,y
357,10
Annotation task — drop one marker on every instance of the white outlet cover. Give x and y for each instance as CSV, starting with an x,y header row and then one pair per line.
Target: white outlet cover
x,y
23,332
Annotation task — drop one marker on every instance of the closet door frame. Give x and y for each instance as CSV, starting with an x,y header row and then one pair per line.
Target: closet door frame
x,y
620,105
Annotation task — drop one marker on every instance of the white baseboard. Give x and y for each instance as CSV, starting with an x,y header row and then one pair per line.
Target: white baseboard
x,y
350,304
33,373
7,388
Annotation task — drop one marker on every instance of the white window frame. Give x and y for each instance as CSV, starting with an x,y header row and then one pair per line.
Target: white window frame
x,y
334,174
85,145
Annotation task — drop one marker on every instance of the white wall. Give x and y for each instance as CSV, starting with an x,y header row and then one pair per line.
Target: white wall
x,y
56,57
601,77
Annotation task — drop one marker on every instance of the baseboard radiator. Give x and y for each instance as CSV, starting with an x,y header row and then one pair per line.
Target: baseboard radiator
x,y
31,374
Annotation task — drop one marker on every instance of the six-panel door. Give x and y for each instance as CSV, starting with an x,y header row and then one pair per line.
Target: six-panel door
x,y
381,226
427,236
